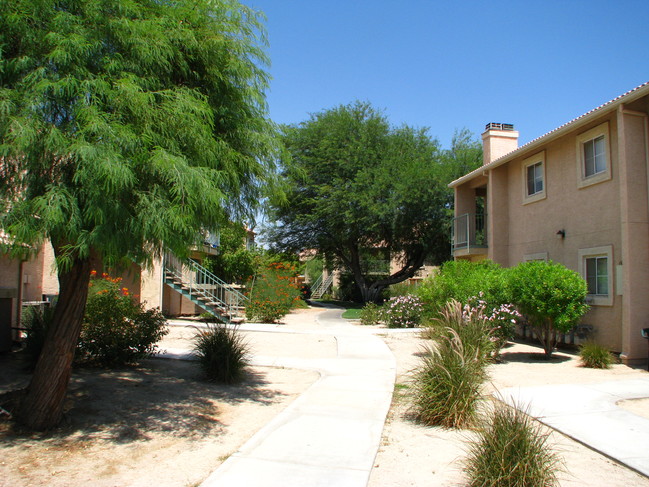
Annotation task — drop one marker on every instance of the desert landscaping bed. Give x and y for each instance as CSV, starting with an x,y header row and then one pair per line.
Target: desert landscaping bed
x,y
160,424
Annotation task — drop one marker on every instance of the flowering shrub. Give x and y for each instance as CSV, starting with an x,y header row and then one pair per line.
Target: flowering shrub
x,y
403,311
116,329
273,293
501,318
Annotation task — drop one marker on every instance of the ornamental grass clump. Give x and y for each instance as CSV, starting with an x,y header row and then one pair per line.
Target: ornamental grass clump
x,y
447,384
403,311
222,352
474,330
511,450
595,356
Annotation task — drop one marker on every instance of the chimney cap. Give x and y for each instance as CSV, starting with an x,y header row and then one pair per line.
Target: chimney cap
x,y
508,127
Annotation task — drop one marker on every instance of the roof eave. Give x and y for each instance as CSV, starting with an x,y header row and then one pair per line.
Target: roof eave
x,y
627,97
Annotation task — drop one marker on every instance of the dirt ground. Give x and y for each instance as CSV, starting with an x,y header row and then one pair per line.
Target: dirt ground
x,y
161,424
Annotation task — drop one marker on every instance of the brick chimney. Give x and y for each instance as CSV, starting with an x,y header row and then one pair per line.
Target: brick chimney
x,y
498,139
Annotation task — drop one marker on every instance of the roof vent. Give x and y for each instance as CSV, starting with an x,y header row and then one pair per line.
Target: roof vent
x,y
500,126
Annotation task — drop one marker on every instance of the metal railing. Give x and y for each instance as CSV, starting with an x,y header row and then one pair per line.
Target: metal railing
x,y
203,287
321,285
469,230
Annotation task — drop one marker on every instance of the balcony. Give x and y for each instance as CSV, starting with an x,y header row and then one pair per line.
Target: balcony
x,y
469,235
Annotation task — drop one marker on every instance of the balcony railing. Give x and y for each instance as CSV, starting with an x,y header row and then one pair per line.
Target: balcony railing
x,y
469,231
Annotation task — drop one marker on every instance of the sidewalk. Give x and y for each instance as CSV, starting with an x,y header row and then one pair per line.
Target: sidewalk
x,y
330,435
589,414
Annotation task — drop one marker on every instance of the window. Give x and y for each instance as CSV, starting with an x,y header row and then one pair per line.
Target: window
x,y
534,178
534,257
593,156
597,275
596,267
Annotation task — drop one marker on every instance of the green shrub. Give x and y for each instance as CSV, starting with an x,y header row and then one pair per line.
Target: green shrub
x,y
272,294
511,451
447,384
551,296
461,280
116,330
595,356
371,314
222,353
403,312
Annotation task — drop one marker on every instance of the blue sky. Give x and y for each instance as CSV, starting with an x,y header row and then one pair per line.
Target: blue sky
x,y
454,64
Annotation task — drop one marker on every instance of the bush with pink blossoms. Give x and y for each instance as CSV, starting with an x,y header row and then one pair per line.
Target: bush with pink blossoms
x,y
403,311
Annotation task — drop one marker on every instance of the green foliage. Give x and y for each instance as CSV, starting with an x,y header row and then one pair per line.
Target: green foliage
x,y
36,322
462,280
447,384
222,353
234,262
117,330
403,311
551,296
273,293
511,450
129,124
371,314
595,356
355,183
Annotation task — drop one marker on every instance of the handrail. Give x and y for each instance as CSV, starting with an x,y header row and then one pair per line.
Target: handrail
x,y
202,284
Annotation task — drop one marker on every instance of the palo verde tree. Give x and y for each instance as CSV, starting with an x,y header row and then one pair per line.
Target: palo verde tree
x,y
355,185
126,126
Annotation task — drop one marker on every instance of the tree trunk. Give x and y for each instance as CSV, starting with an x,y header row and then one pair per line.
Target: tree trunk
x,y
42,407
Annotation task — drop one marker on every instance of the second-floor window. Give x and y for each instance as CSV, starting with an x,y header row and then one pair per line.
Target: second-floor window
x,y
593,156
534,179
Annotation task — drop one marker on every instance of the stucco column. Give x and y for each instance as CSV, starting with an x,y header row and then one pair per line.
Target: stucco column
x,y
498,216
634,218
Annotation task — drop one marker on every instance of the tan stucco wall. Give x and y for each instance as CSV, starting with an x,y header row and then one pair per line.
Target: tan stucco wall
x,y
590,217
613,213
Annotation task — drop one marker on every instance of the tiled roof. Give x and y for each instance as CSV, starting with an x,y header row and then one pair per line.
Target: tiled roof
x,y
545,137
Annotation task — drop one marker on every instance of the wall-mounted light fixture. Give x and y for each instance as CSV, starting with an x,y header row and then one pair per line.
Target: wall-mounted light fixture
x,y
561,234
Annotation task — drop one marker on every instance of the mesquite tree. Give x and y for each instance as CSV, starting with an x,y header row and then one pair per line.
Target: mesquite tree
x,y
357,186
125,125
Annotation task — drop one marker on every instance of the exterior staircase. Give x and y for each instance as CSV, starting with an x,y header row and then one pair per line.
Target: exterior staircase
x,y
321,285
204,289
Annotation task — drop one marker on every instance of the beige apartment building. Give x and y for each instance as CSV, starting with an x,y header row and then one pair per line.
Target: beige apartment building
x,y
578,195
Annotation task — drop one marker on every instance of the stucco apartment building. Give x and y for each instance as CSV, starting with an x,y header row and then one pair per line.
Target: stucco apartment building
x,y
578,195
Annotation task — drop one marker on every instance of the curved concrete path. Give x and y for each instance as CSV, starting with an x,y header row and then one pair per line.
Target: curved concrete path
x,y
330,435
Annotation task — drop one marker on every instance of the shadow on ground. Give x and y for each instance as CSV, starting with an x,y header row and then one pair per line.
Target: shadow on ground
x,y
126,404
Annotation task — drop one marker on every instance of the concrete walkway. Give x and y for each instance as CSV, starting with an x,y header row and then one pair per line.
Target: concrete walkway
x,y
589,414
330,435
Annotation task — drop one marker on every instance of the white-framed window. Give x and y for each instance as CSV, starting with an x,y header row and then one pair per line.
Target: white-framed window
x,y
596,267
534,178
535,257
593,156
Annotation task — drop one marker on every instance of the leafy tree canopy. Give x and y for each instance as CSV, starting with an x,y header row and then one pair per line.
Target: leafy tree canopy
x,y
125,126
355,183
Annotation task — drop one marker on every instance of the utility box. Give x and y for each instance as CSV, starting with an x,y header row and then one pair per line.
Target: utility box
x,y
7,316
